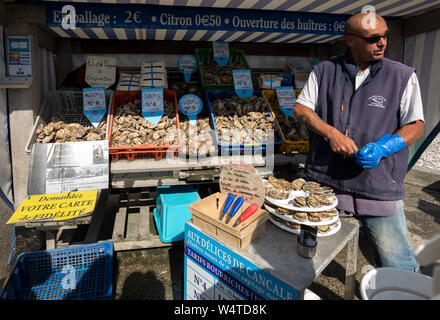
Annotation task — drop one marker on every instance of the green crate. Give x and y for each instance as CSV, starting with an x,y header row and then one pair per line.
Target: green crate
x,y
204,55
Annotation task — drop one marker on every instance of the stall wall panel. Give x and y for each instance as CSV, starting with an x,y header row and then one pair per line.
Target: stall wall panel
x,y
47,72
422,52
5,156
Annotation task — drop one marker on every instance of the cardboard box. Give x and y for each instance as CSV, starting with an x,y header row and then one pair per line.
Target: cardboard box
x,y
206,216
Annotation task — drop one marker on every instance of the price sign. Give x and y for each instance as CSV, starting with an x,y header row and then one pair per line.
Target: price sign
x,y
286,100
152,104
220,51
187,65
243,83
190,105
100,71
94,105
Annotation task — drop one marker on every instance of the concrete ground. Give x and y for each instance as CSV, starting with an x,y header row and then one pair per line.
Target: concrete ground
x,y
157,274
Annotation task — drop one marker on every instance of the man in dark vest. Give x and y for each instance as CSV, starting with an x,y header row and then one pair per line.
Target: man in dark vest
x,y
364,112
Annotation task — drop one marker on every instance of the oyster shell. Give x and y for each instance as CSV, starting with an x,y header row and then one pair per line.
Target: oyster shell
x,y
278,194
312,201
297,184
300,216
314,216
300,201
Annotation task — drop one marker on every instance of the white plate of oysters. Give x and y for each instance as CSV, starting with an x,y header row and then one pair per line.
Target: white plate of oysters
x,y
299,195
323,231
308,218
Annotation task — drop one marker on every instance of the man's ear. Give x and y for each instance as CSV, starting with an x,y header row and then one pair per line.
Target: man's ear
x,y
349,40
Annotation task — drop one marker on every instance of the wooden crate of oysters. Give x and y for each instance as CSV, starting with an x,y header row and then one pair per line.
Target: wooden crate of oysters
x,y
299,194
61,119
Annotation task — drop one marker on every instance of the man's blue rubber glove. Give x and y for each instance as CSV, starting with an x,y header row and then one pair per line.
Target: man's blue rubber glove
x,y
371,154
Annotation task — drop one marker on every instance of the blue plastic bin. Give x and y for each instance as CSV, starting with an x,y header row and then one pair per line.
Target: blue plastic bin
x,y
74,273
237,148
172,211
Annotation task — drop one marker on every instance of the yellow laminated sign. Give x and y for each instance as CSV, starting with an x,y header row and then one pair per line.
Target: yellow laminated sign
x,y
55,206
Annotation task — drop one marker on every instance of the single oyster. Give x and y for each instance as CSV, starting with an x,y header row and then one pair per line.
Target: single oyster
x,y
300,216
300,202
312,202
314,216
323,229
297,184
278,194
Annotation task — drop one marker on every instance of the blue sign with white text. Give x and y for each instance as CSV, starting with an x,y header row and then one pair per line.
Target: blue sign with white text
x,y
133,16
191,105
152,104
215,272
94,104
187,64
243,83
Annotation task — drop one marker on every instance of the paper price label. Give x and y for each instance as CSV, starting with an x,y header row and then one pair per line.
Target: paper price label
x,y
220,51
243,82
190,105
94,104
187,65
100,71
286,100
152,104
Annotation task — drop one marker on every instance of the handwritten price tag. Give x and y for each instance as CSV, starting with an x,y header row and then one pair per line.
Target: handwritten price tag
x,y
187,65
243,83
220,51
190,105
152,104
94,104
286,100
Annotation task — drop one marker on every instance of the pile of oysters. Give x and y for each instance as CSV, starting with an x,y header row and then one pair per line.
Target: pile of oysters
x,y
130,128
317,195
243,120
291,128
198,139
322,229
215,74
59,130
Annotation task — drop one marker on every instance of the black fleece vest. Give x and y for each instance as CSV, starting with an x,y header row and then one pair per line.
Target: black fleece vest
x,y
367,114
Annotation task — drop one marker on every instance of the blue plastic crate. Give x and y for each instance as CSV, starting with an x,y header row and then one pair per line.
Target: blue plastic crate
x,y
237,148
74,273
172,211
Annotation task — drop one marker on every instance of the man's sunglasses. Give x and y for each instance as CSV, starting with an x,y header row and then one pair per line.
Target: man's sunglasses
x,y
373,39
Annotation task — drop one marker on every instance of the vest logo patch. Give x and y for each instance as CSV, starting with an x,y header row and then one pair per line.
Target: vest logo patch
x,y
377,101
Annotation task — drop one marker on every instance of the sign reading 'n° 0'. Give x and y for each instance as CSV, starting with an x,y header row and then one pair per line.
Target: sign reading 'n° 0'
x,y
243,83
286,100
94,104
152,104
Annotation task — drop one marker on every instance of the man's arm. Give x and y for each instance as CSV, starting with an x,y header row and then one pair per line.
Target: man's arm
x,y
411,132
339,142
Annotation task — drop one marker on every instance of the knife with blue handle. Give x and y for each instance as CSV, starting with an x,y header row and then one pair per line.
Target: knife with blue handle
x,y
237,205
227,205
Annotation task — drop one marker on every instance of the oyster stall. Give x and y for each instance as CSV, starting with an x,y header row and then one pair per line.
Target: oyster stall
x,y
144,100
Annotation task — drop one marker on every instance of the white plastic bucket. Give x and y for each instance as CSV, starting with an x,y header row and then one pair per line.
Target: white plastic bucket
x,y
395,284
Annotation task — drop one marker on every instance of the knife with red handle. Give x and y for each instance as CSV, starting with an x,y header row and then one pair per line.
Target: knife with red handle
x,y
249,211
